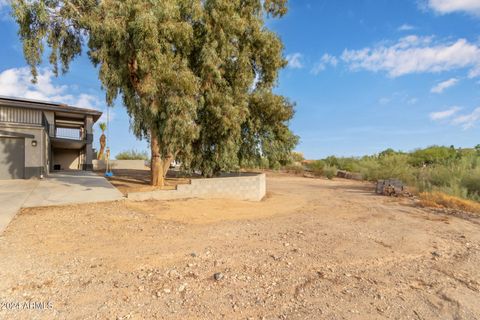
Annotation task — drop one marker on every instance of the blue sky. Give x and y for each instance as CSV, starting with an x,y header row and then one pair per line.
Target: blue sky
x,y
365,75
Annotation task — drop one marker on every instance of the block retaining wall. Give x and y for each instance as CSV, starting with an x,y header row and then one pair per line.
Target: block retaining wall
x,y
120,164
250,187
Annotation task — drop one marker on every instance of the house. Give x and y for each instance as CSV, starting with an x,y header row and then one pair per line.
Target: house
x,y
38,137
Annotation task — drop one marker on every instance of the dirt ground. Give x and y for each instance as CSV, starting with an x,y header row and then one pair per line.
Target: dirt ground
x,y
139,180
313,249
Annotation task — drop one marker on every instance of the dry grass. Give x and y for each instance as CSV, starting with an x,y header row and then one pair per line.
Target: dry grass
x,y
442,200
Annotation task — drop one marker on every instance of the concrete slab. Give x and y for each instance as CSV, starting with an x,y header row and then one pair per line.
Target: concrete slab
x,y
70,188
13,194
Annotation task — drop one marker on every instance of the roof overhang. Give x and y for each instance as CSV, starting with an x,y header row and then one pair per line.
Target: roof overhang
x,y
50,106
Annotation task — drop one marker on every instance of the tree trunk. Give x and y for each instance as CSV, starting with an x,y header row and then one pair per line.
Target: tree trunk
x,y
156,167
166,163
103,141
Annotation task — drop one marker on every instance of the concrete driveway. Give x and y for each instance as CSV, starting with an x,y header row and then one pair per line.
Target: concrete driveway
x,y
13,194
58,189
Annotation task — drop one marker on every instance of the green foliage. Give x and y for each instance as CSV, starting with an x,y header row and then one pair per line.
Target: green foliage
x,y
432,155
297,156
452,171
388,152
472,184
331,161
329,171
132,155
316,167
102,126
197,75
391,166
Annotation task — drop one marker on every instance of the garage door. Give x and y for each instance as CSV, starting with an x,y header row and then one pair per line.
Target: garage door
x,y
12,158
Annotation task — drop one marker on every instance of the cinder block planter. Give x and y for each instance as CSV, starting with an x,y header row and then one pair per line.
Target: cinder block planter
x,y
120,164
247,186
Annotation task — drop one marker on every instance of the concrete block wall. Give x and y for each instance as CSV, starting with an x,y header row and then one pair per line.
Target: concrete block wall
x,y
251,187
120,164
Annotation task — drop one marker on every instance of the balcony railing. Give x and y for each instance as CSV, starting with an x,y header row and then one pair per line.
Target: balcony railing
x,y
64,133
69,133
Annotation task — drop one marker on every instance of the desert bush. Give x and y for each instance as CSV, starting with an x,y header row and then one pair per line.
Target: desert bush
x,y
440,176
432,155
386,167
132,155
316,167
331,161
347,164
450,171
295,168
274,165
472,184
388,152
329,172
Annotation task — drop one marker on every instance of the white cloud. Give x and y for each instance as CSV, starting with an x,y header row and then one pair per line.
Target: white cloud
x,y
468,121
384,101
325,60
4,3
413,54
442,86
405,27
445,114
448,6
295,60
16,82
412,101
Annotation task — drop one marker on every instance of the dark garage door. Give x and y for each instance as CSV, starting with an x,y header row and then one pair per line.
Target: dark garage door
x,y
12,158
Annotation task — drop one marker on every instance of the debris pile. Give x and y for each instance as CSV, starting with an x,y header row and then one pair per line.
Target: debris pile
x,y
390,187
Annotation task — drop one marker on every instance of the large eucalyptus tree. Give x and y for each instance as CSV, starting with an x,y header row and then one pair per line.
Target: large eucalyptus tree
x,y
196,76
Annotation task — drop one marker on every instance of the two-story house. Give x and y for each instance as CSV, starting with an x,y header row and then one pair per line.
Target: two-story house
x,y
38,137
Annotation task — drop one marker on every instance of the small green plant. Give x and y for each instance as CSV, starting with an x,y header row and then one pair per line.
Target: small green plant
x,y
132,155
102,126
329,172
316,167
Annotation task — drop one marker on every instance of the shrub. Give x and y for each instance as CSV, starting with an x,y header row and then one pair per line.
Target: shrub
x,y
440,176
432,155
316,167
329,172
132,155
435,169
386,167
331,161
347,164
295,168
472,184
